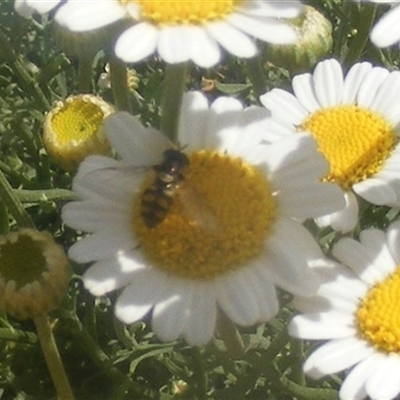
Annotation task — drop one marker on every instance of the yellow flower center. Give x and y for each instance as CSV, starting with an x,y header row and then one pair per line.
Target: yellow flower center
x,y
176,12
378,314
77,121
218,220
355,141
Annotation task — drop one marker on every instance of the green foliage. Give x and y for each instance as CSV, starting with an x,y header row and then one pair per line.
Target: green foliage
x,y
103,358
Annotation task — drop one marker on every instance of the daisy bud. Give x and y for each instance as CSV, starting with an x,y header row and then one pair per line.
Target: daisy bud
x,y
73,129
314,42
34,273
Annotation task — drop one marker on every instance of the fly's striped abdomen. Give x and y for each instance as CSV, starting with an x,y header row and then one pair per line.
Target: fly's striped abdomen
x,y
154,206
157,199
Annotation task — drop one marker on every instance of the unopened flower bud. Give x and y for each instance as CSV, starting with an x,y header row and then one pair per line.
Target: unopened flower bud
x,y
314,42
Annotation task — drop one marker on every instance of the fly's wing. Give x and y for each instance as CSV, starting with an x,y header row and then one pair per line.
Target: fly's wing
x,y
196,209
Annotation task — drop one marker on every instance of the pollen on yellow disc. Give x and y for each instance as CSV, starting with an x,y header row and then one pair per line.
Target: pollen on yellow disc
x,y
73,129
192,12
354,140
221,226
378,314
77,120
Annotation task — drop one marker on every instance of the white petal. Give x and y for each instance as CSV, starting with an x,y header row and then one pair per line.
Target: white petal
x,y
384,382
284,158
222,128
370,86
43,6
134,143
137,42
203,315
87,15
204,50
311,200
266,29
244,141
142,293
353,386
375,241
266,293
102,244
359,259
233,40
282,9
325,325
173,44
376,191
393,240
344,220
95,162
107,275
192,121
289,250
387,31
353,81
328,81
336,356
387,95
171,314
94,217
236,298
303,88
284,106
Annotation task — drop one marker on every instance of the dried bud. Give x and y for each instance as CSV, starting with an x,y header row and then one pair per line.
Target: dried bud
x,y
34,273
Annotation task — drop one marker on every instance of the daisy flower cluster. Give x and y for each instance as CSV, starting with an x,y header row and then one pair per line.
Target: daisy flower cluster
x,y
197,214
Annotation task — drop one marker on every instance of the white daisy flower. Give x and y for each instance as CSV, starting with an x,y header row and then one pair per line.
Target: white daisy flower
x,y
224,249
358,311
185,30
355,122
387,31
27,7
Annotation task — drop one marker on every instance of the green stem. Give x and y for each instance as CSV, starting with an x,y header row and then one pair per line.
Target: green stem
x,y
85,75
256,75
228,332
36,196
13,204
14,335
119,84
53,360
174,86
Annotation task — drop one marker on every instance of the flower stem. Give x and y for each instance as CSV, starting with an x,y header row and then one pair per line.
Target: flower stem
x,y
257,76
53,360
36,196
119,84
85,74
174,86
13,204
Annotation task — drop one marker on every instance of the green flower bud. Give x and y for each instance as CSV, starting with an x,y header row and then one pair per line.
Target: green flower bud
x,y
314,42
